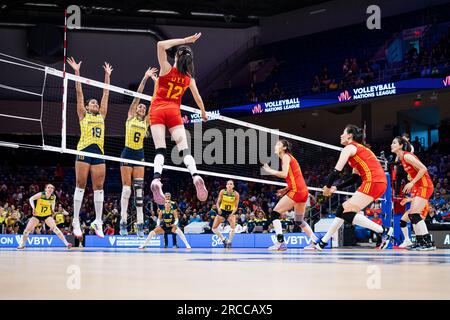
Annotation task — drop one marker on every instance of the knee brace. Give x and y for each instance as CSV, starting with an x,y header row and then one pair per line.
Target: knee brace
x,y
403,224
415,218
275,215
340,211
349,216
280,237
138,185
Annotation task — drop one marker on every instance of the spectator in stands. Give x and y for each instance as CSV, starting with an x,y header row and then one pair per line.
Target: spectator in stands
x,y
195,217
333,85
438,202
287,224
251,222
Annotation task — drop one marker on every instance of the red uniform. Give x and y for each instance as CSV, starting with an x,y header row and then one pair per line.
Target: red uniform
x,y
424,187
414,193
165,106
298,191
374,181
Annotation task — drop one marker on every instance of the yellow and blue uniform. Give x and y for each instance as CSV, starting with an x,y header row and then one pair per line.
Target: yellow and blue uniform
x,y
59,219
285,223
44,206
168,218
92,139
227,205
262,222
135,132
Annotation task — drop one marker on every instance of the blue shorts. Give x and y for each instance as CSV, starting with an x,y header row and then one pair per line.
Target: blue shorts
x,y
93,148
131,154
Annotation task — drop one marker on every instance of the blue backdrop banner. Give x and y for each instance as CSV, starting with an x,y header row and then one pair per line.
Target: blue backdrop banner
x,y
41,241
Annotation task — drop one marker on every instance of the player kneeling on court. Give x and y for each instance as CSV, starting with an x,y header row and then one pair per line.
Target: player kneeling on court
x,y
167,222
43,211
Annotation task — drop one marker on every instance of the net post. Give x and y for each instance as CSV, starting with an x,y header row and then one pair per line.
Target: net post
x,y
63,120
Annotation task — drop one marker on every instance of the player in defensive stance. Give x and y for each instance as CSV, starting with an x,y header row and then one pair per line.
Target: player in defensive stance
x,y
136,130
295,195
374,184
424,188
227,204
92,126
167,221
42,212
165,112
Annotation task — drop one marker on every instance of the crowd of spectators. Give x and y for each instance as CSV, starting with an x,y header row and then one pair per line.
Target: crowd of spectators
x,y
18,184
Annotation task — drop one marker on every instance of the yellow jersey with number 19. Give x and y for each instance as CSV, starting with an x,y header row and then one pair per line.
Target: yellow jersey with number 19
x,y
135,133
92,129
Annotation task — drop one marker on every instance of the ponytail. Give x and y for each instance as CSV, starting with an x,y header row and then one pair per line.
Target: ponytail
x,y
406,146
356,132
185,62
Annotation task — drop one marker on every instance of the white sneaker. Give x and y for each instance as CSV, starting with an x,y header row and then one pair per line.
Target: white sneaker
x,y
98,228
406,243
279,246
77,229
311,247
158,194
202,193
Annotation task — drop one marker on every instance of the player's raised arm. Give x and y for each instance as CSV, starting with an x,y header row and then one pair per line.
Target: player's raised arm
x,y
81,110
198,99
104,103
150,73
164,45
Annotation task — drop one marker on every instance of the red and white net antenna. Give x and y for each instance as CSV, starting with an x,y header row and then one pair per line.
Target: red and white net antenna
x,y
64,101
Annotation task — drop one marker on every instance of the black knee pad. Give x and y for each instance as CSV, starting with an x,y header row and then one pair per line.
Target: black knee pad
x,y
340,211
185,152
161,151
349,216
403,224
280,238
415,218
275,215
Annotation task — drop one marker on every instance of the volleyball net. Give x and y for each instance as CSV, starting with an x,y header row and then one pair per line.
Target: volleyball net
x,y
222,147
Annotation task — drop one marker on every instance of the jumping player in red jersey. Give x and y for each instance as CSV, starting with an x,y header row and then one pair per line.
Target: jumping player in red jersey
x,y
423,186
365,167
295,195
165,110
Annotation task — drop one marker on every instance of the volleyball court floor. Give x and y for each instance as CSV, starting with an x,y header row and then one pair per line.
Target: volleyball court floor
x,y
168,274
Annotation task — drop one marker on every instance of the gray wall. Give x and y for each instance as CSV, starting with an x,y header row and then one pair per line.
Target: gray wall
x,y
339,13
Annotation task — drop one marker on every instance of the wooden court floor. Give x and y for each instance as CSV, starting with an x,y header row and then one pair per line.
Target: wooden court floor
x,y
89,273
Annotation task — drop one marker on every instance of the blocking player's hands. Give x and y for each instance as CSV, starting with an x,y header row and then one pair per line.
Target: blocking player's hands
x,y
75,66
108,68
193,38
326,191
152,73
204,115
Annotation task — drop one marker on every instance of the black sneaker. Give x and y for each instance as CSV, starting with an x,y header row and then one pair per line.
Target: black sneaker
x,y
225,243
320,245
228,245
413,246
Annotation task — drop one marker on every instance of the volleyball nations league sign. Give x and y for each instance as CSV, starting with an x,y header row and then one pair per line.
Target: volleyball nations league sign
x,y
369,92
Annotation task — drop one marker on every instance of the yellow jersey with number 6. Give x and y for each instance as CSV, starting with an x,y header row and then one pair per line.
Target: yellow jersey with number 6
x,y
92,131
136,130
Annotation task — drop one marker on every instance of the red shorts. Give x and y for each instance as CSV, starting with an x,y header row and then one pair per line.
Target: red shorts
x,y
373,189
168,116
423,192
298,196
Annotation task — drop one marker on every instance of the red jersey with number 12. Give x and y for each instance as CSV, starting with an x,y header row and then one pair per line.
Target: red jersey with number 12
x,y
170,89
294,179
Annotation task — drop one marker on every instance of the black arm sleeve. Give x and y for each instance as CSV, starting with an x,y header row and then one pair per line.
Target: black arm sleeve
x,y
332,177
355,178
